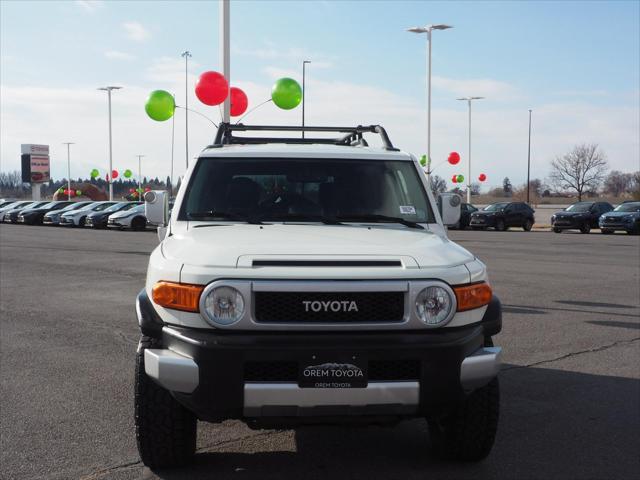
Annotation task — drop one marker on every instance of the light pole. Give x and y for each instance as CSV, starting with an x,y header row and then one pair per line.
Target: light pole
x,y
108,90
469,100
304,65
186,54
428,29
173,129
529,157
140,174
68,144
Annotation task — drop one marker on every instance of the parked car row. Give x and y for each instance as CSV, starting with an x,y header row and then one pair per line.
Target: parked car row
x,y
103,214
584,216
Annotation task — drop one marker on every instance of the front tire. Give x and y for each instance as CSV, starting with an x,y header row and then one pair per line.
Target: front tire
x,y
528,225
138,223
585,228
556,230
500,226
165,430
467,433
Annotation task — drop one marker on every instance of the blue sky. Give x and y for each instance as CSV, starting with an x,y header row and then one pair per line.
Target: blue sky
x,y
576,64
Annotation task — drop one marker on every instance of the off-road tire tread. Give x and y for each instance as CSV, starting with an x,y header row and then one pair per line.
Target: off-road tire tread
x,y
469,432
165,430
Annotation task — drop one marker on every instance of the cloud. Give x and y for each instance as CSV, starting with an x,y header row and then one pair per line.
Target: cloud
x,y
271,52
54,115
135,31
90,5
116,55
482,87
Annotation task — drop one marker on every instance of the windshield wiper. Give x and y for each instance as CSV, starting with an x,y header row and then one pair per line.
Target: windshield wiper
x,y
298,217
378,219
214,214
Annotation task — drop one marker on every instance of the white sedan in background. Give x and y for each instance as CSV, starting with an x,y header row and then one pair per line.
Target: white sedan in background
x,y
76,218
133,218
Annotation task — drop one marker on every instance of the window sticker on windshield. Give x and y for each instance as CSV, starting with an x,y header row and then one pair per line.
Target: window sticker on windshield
x,y
407,210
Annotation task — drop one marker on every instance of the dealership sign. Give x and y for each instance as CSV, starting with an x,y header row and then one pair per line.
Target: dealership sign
x,y
35,163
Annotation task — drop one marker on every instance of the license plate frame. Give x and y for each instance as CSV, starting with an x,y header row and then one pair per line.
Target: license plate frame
x,y
338,370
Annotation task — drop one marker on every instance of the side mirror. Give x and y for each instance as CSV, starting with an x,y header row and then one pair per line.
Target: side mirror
x,y
156,209
449,205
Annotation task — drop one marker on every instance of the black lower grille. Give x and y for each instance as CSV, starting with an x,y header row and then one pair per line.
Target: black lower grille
x,y
379,370
332,307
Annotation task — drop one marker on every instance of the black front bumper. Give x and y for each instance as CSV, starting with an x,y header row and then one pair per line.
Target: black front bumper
x,y
226,360
482,221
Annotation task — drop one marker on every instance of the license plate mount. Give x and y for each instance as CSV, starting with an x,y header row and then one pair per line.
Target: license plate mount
x,y
340,370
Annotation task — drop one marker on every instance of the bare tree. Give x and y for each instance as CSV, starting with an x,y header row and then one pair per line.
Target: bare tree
x,y
582,169
438,184
475,188
618,183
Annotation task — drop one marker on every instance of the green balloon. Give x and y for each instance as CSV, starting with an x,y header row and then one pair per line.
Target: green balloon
x,y
78,192
61,190
460,178
94,173
127,173
160,105
286,93
423,160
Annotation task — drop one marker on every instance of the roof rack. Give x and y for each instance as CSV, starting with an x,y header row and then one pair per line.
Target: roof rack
x,y
352,136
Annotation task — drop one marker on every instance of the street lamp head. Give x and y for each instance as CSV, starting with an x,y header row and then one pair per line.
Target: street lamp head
x,y
186,53
109,88
306,61
441,26
468,99
428,28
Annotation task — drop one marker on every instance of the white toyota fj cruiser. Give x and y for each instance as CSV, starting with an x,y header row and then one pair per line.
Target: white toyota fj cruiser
x,y
311,280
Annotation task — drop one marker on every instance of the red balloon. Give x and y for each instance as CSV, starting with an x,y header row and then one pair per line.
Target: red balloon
x,y
72,193
131,190
482,177
212,88
454,179
114,174
66,191
147,189
454,158
239,101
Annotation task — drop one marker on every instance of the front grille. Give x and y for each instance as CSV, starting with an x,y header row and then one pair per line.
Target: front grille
x,y
330,307
379,370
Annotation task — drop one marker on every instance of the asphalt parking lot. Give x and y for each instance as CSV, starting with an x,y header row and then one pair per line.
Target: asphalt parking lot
x,y
570,386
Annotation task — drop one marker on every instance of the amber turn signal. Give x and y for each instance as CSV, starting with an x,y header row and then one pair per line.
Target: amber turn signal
x,y
473,296
178,296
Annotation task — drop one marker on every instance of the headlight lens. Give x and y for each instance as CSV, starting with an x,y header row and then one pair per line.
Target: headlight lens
x,y
434,305
224,305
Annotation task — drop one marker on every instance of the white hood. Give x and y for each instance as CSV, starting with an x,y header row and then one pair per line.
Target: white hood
x,y
227,245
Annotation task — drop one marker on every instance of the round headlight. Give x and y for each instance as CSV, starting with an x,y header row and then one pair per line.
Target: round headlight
x,y
224,305
434,305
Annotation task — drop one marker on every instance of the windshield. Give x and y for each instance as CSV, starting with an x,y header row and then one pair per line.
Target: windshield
x,y
495,207
38,205
314,189
135,208
628,207
102,206
579,207
5,204
119,206
75,206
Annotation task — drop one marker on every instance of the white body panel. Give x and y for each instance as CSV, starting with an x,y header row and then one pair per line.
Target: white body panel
x,y
204,252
